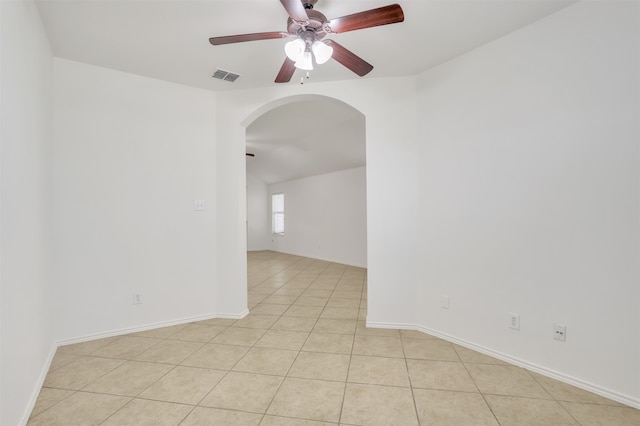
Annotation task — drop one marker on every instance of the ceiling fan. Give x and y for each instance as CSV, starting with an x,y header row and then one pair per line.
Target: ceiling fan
x,y
309,27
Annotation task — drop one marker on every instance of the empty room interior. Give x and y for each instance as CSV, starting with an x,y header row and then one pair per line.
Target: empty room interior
x,y
429,213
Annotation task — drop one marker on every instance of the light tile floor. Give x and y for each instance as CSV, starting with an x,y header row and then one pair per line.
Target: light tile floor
x,y
302,357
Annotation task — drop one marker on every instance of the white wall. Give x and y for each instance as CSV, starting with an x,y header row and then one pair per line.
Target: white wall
x,y
258,214
26,331
131,155
325,217
529,196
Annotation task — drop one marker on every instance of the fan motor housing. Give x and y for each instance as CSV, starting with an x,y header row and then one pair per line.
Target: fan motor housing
x,y
316,24
308,4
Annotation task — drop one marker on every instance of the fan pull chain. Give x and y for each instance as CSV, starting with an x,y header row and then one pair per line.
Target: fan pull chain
x,y
302,78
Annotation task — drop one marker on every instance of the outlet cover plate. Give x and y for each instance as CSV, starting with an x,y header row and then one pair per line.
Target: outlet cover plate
x,y
444,301
560,332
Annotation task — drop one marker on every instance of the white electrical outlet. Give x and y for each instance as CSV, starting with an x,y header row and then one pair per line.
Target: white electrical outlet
x,y
199,205
560,332
137,298
444,301
514,321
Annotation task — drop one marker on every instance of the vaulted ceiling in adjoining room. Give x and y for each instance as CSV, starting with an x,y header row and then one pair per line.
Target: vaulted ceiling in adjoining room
x,y
169,40
305,138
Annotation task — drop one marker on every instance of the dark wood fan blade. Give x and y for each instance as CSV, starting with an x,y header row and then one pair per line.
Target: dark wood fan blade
x,y
349,59
296,10
286,71
369,18
239,38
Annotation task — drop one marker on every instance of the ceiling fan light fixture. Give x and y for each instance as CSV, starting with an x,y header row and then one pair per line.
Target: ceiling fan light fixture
x,y
305,62
295,49
321,51
308,27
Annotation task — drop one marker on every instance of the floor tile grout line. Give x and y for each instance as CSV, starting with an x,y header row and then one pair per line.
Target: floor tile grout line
x,y
230,369
112,414
73,392
346,379
298,355
552,396
475,383
102,375
283,377
413,396
175,367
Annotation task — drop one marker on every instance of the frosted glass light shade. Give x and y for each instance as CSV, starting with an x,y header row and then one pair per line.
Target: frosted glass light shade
x,y
295,49
306,62
321,51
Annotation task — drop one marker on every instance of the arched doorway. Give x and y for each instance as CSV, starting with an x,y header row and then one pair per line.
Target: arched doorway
x,y
312,148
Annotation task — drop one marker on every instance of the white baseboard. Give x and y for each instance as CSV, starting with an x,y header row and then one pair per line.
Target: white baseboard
x,y
590,387
233,316
120,332
36,391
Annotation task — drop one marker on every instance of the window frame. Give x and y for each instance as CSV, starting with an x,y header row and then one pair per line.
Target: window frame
x,y
277,215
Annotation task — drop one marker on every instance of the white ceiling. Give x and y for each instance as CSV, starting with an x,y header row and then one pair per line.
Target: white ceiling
x,y
168,40
311,138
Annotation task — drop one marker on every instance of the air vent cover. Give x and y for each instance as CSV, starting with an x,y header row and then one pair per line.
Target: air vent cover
x,y
225,75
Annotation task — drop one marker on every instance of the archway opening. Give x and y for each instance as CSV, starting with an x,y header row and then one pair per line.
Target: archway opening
x,y
312,149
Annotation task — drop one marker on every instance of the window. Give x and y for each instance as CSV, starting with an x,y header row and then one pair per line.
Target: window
x,y
277,208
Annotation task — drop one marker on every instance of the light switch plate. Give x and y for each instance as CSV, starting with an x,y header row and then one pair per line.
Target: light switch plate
x,y
514,320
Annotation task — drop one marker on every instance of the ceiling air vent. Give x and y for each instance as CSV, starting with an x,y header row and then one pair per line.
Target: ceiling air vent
x,y
225,75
